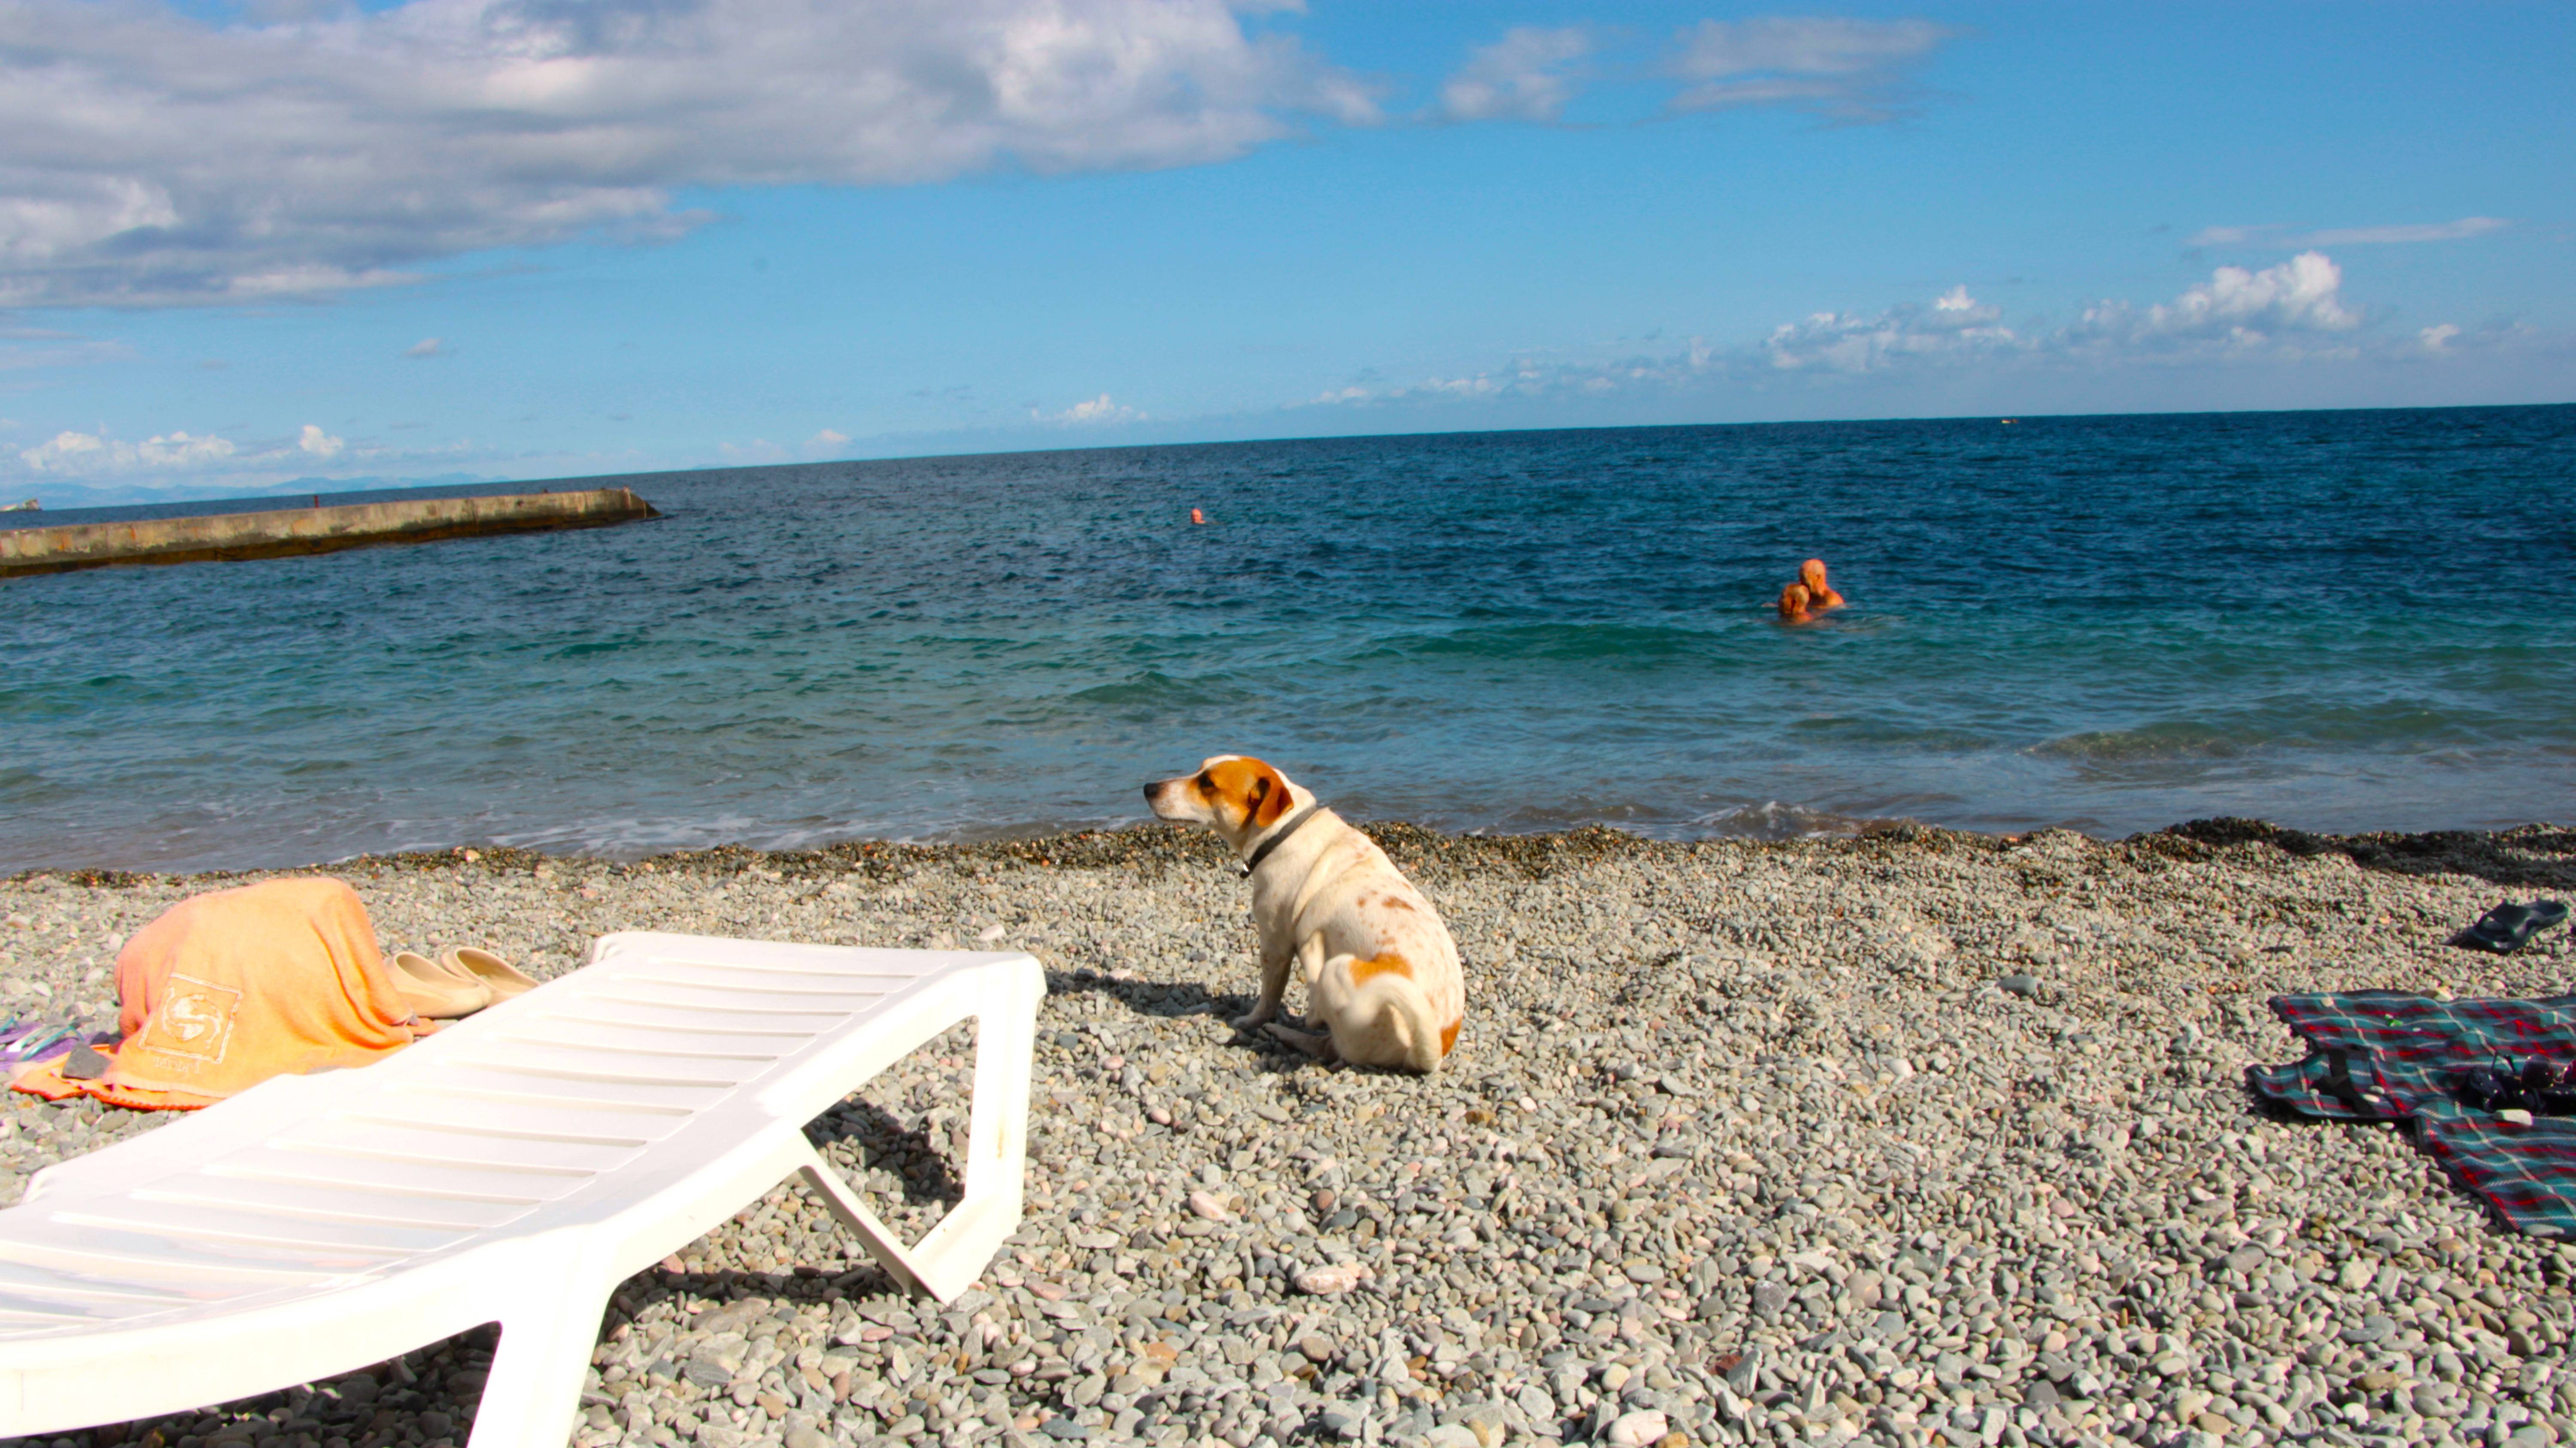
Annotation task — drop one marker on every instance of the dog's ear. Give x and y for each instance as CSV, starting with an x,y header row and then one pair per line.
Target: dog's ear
x,y
1270,798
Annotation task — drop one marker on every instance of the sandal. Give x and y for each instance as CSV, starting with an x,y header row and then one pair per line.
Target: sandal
x,y
2507,928
487,970
24,1043
433,991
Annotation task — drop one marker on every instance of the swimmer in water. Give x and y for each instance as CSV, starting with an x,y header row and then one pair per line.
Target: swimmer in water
x,y
1793,604
1819,594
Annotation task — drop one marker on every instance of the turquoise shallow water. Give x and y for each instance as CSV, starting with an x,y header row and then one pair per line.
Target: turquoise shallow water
x,y
2335,620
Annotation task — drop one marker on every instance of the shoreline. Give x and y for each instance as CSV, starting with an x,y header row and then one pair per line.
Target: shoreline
x,y
2505,853
1741,1132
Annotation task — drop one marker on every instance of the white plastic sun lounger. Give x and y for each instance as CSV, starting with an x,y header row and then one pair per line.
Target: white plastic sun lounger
x,y
514,1168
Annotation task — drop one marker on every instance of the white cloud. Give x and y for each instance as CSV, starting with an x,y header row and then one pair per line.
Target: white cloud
x,y
1954,324
1851,71
2460,230
156,158
1098,411
826,442
426,347
2282,315
78,454
319,443
1524,76
2236,308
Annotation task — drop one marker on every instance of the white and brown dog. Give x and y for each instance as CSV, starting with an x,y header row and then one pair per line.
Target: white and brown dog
x,y
1382,975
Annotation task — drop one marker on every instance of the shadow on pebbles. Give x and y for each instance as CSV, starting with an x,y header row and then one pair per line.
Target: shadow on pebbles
x,y
1743,1142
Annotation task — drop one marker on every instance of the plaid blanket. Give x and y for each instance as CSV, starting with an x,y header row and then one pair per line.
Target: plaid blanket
x,y
2384,1055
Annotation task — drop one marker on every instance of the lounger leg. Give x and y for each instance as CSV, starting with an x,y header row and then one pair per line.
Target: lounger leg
x,y
845,1204
534,1391
997,1140
954,1254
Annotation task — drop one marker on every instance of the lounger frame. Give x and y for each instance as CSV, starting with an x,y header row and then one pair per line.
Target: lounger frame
x,y
514,1168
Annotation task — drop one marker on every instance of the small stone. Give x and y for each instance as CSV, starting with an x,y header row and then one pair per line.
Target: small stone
x,y
1316,1348
1485,1421
1638,1430
1210,1206
991,933
2514,1116
806,1437
1333,1281
1451,1435
2020,985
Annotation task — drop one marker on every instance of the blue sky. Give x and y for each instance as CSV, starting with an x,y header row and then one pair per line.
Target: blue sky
x,y
244,245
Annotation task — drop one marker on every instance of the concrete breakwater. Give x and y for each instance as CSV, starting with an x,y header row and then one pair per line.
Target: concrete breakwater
x,y
290,531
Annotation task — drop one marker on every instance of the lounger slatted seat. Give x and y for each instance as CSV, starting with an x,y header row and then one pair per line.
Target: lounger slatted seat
x,y
513,1168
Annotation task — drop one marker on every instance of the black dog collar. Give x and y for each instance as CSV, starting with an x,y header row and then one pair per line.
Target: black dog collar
x,y
1296,822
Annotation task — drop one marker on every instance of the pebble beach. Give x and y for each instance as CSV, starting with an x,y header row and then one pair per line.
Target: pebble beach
x,y
1914,1138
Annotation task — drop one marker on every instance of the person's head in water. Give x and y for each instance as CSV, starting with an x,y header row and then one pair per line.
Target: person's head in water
x,y
1793,603
1819,593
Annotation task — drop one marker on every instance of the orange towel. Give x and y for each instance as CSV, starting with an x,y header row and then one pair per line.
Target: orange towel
x,y
228,989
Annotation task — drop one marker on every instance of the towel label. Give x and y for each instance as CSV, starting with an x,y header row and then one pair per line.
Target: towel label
x,y
194,1020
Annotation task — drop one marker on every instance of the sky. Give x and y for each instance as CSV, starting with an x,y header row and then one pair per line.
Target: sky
x,y
244,247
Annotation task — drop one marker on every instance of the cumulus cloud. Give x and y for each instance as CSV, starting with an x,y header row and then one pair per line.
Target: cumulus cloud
x,y
1955,323
158,158
426,348
1850,71
2300,298
80,454
2284,314
1096,412
2460,230
1525,76
318,443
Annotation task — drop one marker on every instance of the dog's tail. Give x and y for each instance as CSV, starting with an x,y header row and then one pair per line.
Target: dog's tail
x,y
1384,985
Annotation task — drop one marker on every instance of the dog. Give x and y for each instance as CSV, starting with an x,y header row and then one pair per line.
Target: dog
x,y
1381,972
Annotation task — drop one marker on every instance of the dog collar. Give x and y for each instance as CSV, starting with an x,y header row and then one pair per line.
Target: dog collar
x,y
1296,822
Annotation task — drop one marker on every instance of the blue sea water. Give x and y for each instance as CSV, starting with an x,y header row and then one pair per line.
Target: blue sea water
x,y
2336,620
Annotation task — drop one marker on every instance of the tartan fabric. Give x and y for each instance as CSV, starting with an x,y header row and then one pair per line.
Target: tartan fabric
x,y
2384,1055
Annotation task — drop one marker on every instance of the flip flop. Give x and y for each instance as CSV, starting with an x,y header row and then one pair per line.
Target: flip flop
x,y
25,1044
433,991
487,970
2508,927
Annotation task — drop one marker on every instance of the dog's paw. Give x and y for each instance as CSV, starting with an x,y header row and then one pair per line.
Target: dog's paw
x,y
1318,1046
1254,1021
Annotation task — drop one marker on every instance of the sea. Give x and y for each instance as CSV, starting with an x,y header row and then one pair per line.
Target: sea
x,y
2339,621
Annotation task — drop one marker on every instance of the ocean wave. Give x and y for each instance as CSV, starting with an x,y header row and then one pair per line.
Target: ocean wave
x,y
1775,820
2152,743
1154,689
